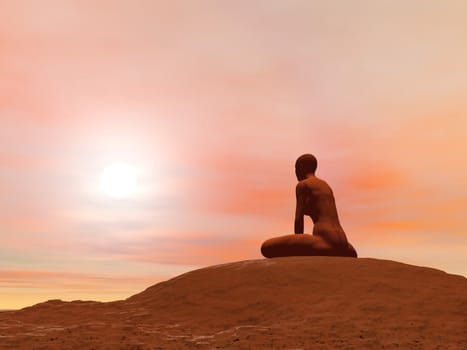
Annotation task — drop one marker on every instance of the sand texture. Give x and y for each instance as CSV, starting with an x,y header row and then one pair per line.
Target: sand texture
x,y
283,303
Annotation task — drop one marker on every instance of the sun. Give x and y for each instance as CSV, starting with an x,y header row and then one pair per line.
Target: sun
x,y
119,180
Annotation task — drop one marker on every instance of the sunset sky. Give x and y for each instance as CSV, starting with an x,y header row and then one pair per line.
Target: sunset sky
x,y
211,102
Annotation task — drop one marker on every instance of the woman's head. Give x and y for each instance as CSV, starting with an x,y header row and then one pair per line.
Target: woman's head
x,y
305,164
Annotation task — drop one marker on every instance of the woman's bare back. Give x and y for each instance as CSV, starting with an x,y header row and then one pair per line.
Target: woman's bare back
x,y
320,206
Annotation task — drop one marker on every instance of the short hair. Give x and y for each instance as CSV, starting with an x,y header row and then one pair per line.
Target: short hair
x,y
305,164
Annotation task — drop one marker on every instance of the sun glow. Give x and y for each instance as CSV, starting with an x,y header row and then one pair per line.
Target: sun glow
x,y
119,180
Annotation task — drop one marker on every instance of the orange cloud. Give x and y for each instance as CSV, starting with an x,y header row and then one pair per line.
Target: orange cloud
x,y
27,287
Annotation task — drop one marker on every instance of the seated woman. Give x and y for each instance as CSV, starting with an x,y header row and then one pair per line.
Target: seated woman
x,y
315,199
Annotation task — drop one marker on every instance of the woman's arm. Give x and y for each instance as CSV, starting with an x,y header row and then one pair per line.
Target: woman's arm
x,y
300,193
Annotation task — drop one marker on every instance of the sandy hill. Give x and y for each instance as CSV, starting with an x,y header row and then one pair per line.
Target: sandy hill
x,y
283,303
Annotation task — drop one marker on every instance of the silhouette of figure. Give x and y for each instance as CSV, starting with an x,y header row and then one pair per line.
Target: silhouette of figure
x,y
316,200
